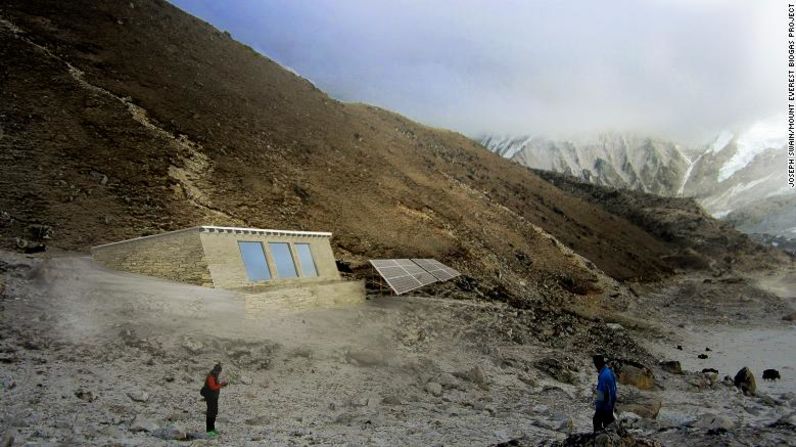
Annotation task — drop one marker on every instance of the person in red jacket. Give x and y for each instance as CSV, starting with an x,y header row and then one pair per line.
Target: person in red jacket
x,y
211,397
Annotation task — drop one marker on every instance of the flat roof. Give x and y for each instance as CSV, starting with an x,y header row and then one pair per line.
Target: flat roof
x,y
215,229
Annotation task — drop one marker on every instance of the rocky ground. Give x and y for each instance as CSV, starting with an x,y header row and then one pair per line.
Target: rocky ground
x,y
93,357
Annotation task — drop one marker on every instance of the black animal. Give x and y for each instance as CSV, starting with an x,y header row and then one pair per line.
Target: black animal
x,y
680,347
771,374
708,349
702,356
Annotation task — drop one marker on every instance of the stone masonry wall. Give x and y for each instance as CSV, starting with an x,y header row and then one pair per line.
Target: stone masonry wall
x,y
308,296
177,256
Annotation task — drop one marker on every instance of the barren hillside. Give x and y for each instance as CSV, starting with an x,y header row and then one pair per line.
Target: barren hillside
x,y
124,118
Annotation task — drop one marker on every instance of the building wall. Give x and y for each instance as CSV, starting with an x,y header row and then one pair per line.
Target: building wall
x,y
290,299
228,271
177,256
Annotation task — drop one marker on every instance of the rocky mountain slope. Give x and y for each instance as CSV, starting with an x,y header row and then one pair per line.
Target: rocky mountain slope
x,y
677,220
126,118
731,174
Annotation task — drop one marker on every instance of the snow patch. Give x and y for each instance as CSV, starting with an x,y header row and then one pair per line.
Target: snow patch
x,y
757,139
506,146
721,142
721,214
737,189
687,174
777,192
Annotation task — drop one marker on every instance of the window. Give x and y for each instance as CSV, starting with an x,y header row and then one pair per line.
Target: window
x,y
285,268
254,260
305,259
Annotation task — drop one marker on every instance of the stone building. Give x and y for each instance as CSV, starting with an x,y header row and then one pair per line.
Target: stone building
x,y
291,266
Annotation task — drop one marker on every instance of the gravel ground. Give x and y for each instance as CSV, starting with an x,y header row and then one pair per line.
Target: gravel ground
x,y
93,357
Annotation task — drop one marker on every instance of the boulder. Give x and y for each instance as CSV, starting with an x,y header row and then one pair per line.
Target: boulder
x,y
646,405
258,420
30,247
8,439
366,358
85,395
790,317
557,369
527,378
712,422
138,396
640,378
434,389
672,366
787,421
170,433
141,423
562,424
391,399
447,381
712,377
565,424
745,381
628,419
475,375
192,346
9,383
698,380
607,439
613,436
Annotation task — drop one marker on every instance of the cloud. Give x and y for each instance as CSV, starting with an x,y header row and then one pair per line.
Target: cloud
x,y
676,68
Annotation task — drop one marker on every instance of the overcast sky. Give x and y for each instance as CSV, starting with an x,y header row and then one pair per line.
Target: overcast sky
x,y
683,69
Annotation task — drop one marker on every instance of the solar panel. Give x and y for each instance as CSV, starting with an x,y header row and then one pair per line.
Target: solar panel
x,y
402,275
439,270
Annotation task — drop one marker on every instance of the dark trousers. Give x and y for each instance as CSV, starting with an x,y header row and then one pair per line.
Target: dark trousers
x,y
212,412
602,419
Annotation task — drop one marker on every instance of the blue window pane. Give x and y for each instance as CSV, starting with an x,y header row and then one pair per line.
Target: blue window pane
x,y
306,260
254,260
285,268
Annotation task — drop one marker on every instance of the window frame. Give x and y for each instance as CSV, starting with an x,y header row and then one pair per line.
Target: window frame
x,y
312,258
265,258
292,260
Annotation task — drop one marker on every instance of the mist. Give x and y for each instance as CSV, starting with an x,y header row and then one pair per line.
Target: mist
x,y
679,69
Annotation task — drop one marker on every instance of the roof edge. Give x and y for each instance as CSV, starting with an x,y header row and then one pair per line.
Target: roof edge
x,y
149,236
215,229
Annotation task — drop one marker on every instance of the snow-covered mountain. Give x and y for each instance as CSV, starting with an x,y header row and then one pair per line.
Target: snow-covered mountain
x,y
739,176
612,159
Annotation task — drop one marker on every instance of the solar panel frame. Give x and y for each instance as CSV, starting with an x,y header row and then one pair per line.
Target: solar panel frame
x,y
402,275
439,270
383,262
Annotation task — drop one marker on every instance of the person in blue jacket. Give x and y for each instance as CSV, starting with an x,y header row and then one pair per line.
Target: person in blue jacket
x,y
606,395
